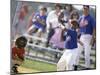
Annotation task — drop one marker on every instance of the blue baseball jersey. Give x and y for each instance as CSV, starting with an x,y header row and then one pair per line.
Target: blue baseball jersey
x,y
37,24
70,38
87,23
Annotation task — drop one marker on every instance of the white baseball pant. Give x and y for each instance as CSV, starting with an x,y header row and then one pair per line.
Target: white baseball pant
x,y
67,60
86,39
80,49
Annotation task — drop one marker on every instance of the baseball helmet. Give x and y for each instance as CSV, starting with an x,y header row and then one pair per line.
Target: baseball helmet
x,y
21,42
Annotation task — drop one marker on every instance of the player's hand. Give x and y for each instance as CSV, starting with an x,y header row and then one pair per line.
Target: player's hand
x,y
93,40
41,21
81,43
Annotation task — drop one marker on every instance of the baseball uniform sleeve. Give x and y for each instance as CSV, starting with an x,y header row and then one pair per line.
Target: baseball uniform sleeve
x,y
93,22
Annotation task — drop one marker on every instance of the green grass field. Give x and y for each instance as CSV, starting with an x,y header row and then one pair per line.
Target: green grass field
x,y
38,66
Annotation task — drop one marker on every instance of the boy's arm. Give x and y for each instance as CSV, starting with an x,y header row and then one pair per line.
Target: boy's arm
x,y
33,18
64,32
93,40
63,27
41,21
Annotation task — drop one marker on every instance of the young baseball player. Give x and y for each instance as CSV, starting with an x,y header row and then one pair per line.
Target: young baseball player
x,y
18,52
68,58
75,16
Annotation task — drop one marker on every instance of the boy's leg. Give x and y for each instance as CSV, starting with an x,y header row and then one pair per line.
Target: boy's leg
x,y
61,65
66,61
15,65
31,30
87,55
71,59
28,31
50,34
39,34
87,49
78,53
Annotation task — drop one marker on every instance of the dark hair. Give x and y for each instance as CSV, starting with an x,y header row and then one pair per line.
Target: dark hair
x,y
86,6
70,7
21,42
74,13
44,9
58,5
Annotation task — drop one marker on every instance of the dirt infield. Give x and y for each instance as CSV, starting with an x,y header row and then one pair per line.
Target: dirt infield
x,y
26,70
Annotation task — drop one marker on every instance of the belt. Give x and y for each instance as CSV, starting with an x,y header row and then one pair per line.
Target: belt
x,y
83,33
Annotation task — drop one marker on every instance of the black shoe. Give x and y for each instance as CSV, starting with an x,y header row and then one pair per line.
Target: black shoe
x,y
47,44
75,67
86,69
56,56
31,41
61,49
15,68
37,42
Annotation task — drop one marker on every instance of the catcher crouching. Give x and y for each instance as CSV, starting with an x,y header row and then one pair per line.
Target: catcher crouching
x,y
18,52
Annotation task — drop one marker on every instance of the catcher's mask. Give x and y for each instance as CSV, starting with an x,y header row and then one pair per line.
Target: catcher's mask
x,y
21,42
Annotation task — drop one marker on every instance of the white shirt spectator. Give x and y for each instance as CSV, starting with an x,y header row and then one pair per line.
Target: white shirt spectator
x,y
53,19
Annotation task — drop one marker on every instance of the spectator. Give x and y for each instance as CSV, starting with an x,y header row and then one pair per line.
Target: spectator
x,y
39,22
52,21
